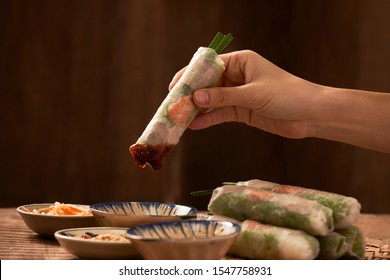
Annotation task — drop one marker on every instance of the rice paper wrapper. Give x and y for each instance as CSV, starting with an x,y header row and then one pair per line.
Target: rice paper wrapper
x,y
203,215
261,241
356,240
177,110
333,246
284,210
346,210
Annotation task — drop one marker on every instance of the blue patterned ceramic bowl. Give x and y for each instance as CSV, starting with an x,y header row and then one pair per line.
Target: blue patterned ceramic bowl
x,y
184,240
46,225
112,243
129,214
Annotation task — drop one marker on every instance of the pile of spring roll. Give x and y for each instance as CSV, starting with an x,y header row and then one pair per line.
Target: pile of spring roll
x,y
287,222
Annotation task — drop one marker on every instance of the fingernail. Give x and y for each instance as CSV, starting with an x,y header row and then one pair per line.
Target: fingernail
x,y
201,97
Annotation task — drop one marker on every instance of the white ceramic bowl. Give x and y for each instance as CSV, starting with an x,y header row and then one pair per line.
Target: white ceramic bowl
x,y
72,240
184,240
129,214
46,225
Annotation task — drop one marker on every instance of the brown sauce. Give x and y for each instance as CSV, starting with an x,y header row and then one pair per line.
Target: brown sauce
x,y
150,155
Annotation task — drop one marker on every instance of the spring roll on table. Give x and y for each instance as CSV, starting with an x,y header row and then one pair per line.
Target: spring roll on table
x,y
178,110
344,243
346,210
247,203
355,238
261,241
333,246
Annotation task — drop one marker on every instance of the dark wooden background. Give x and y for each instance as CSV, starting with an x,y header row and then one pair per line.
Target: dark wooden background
x,y
79,81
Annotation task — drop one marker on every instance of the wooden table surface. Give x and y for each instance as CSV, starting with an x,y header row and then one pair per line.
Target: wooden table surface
x,y
17,242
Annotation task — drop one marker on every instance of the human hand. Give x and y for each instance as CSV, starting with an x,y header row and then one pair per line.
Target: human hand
x,y
256,92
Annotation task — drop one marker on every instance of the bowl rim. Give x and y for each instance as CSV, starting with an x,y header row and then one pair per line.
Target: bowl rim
x,y
59,235
236,231
20,210
192,210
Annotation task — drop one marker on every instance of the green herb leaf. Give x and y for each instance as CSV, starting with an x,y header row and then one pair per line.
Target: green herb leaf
x,y
220,42
223,43
202,192
187,217
229,183
214,43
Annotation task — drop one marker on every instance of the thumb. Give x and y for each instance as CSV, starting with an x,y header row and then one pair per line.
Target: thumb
x,y
219,97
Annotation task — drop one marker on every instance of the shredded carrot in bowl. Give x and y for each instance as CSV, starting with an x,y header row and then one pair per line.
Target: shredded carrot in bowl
x,y
62,209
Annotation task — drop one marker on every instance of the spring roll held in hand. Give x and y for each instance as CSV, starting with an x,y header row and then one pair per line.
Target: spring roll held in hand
x,y
177,110
261,241
284,210
346,210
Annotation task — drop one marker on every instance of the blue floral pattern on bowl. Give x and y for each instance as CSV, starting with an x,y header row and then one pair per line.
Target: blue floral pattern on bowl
x,y
183,230
128,214
189,239
144,208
